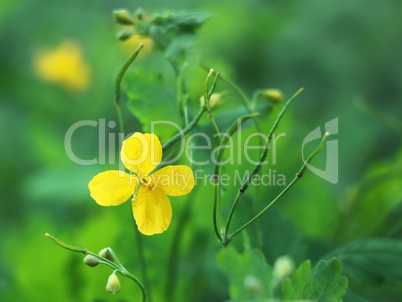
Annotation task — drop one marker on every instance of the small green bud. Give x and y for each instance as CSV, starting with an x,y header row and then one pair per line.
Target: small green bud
x,y
124,34
253,284
105,253
123,17
283,267
275,96
214,100
139,13
91,260
113,284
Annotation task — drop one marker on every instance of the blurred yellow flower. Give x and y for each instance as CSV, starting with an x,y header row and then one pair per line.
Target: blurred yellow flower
x,y
141,154
134,41
63,65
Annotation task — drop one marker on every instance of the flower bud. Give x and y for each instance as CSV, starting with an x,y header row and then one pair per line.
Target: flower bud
x,y
113,284
283,267
275,96
105,253
139,13
214,101
91,260
253,284
124,34
123,17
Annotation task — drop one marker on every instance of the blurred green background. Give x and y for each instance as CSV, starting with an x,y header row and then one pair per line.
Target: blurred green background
x,y
347,54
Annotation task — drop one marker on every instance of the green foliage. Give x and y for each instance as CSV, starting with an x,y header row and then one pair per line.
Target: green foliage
x,y
151,100
372,207
252,279
249,275
323,283
175,32
252,43
371,261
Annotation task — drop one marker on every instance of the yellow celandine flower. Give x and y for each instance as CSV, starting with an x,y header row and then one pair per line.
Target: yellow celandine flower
x,y
63,65
141,154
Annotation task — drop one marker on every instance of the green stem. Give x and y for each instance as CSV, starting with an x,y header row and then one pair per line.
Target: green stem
x,y
208,95
218,167
211,117
114,256
271,133
136,280
180,89
206,92
174,253
143,264
118,85
256,170
242,96
249,105
186,130
299,174
115,266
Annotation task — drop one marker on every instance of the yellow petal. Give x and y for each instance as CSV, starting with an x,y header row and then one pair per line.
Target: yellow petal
x,y
112,188
142,152
152,211
174,180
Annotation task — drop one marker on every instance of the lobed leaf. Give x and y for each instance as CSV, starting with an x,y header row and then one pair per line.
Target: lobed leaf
x,y
371,261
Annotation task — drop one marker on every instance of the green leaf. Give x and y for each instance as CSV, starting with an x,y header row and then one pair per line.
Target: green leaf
x,y
371,261
324,283
292,289
248,273
179,46
175,32
150,100
287,239
188,20
371,210
328,284
351,296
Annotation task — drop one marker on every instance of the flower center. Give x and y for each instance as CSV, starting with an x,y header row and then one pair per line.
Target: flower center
x,y
146,180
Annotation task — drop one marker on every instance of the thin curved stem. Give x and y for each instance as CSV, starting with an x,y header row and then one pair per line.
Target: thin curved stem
x,y
256,170
143,264
114,256
136,280
186,130
218,167
174,253
299,174
115,266
180,92
271,133
207,96
118,85
243,97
